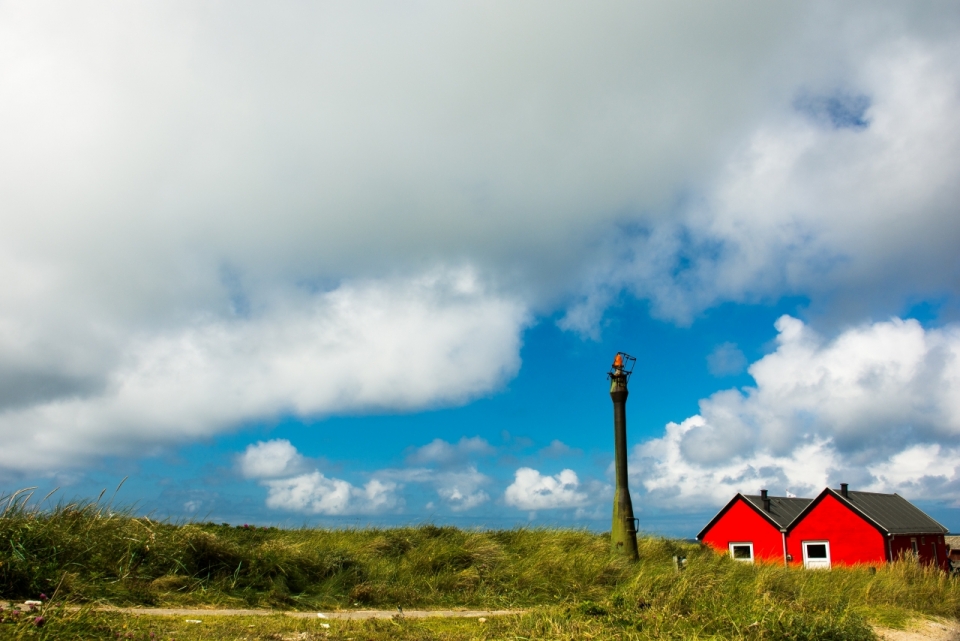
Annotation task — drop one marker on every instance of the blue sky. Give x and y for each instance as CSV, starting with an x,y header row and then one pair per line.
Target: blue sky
x,y
369,264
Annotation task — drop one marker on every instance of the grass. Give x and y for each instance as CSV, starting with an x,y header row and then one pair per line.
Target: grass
x,y
83,554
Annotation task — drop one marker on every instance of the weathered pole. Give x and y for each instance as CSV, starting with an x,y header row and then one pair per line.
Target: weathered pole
x,y
623,532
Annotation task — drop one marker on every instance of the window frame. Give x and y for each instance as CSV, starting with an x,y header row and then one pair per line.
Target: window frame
x,y
749,544
806,558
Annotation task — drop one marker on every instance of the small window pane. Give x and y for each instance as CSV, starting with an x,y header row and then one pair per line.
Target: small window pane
x,y
817,551
741,551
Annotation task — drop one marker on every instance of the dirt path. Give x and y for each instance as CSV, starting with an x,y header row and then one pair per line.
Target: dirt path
x,y
195,613
923,631
919,630
342,614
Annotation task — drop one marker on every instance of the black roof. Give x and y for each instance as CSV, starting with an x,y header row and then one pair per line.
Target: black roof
x,y
782,509
892,512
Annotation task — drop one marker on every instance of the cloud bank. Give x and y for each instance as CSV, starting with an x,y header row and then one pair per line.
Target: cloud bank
x,y
275,464
855,208
878,407
369,346
452,483
444,453
279,467
211,217
314,493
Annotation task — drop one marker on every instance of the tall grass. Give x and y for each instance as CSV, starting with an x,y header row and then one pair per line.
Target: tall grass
x,y
89,552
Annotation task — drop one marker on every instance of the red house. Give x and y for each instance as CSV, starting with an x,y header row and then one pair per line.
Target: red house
x,y
752,527
835,528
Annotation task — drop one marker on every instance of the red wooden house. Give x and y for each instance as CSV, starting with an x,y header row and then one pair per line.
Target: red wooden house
x,y
835,528
752,527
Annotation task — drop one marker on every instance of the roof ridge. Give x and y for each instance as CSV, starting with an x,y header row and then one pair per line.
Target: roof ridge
x,y
873,493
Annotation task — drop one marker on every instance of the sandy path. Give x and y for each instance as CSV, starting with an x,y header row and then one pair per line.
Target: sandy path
x,y
342,614
921,630
195,613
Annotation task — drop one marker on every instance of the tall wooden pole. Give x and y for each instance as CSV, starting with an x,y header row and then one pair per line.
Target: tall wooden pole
x,y
623,531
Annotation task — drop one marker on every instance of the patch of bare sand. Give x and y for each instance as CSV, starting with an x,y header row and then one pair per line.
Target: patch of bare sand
x,y
31,606
922,630
339,614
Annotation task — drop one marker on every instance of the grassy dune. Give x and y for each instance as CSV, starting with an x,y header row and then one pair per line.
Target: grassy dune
x,y
570,585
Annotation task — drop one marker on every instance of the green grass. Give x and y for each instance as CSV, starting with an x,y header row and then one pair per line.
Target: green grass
x,y
570,585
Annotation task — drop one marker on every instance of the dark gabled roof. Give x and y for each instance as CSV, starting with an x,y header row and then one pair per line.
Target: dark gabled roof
x,y
893,513
782,509
889,513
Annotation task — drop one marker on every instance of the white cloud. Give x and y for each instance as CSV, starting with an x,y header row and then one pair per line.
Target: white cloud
x,y
399,345
460,490
459,501
726,359
314,493
440,451
533,491
917,466
670,479
877,406
270,459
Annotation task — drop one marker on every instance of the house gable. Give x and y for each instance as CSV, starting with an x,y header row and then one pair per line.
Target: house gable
x,y
741,522
739,498
852,537
827,492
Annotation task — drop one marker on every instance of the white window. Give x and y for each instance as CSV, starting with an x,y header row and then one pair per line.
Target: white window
x,y
816,555
742,552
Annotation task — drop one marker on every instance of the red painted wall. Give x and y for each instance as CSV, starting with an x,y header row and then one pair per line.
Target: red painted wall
x,y
931,548
852,539
742,524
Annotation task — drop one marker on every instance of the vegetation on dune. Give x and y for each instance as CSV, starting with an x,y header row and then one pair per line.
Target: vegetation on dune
x,y
567,581
88,553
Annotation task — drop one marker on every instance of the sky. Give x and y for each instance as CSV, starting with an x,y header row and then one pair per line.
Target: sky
x,y
367,264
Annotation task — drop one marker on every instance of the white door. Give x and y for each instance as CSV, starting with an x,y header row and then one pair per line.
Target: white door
x,y
816,555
